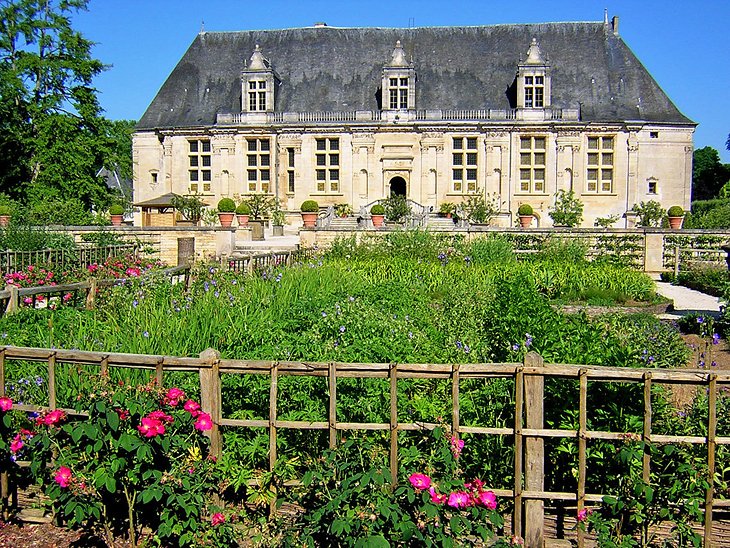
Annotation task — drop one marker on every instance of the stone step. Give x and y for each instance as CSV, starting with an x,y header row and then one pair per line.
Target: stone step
x,y
440,223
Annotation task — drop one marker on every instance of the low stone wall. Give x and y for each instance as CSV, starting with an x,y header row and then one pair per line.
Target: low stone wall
x,y
171,243
650,248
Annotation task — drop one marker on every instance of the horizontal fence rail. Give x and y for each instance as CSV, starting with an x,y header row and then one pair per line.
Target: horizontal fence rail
x,y
528,433
11,261
14,296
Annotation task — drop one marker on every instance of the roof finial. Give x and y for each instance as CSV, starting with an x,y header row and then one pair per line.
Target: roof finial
x,y
605,16
534,54
257,61
202,26
399,56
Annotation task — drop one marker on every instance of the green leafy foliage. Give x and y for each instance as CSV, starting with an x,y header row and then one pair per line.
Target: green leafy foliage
x,y
138,461
190,207
650,214
396,208
567,210
54,140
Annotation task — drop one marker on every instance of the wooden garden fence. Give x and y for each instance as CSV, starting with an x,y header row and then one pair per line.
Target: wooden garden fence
x,y
13,296
528,431
11,261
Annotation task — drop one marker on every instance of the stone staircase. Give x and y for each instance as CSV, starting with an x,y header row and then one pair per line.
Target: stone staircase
x,y
440,224
344,223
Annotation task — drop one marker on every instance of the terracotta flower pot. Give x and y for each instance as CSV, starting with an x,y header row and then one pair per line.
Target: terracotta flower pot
x,y
309,219
378,220
525,221
675,222
116,220
226,219
242,220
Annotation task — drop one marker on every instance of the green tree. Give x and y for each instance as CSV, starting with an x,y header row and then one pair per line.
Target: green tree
x,y
53,137
708,173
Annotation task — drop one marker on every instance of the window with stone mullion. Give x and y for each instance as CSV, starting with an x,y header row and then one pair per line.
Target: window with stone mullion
x,y
199,165
259,166
532,165
464,164
328,161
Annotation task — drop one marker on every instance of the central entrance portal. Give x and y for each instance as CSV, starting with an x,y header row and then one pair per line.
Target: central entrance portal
x,y
398,186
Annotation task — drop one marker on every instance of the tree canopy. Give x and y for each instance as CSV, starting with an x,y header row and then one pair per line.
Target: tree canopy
x,y
709,174
53,139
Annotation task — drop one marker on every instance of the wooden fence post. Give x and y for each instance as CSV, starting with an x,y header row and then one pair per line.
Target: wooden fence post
x,y
534,510
393,374
711,448
4,478
13,304
91,295
332,381
210,397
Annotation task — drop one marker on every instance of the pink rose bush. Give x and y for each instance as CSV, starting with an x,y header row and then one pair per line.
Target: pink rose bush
x,y
120,452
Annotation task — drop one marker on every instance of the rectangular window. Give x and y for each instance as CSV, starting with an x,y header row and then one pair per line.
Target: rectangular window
x,y
464,164
532,165
398,93
599,177
290,170
199,164
328,162
534,91
257,95
258,160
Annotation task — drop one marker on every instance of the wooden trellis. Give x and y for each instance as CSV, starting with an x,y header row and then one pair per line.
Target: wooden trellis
x,y
528,431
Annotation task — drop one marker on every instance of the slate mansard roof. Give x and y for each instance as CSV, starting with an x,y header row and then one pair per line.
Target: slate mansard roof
x,y
340,69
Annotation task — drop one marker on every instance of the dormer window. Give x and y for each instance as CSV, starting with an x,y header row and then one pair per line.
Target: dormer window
x,y
534,91
258,82
256,95
398,93
399,82
533,79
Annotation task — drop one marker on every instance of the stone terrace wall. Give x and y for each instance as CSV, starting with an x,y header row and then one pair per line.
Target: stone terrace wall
x,y
652,249
209,242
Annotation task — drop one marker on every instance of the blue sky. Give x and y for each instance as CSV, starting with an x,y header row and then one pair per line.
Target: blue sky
x,y
683,44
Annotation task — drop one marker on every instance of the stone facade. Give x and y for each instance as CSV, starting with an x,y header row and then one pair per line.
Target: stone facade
x,y
549,122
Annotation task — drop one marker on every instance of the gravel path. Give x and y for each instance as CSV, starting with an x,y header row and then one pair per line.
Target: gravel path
x,y
687,301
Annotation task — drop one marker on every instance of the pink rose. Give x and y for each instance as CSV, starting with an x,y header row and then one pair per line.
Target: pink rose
x,y
51,418
420,481
203,422
6,404
192,407
583,513
174,396
459,499
150,427
217,519
437,498
488,499
63,476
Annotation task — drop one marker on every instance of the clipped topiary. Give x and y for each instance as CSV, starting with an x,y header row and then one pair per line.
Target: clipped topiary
x,y
116,209
309,206
675,211
243,209
377,209
525,209
226,205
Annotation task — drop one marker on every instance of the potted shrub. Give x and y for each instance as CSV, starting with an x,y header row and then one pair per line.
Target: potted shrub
x,y
567,211
116,212
343,210
226,211
525,214
377,213
5,214
447,210
310,211
243,211
675,215
260,205
277,221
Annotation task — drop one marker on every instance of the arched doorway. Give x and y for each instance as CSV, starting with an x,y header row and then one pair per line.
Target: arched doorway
x,y
398,186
